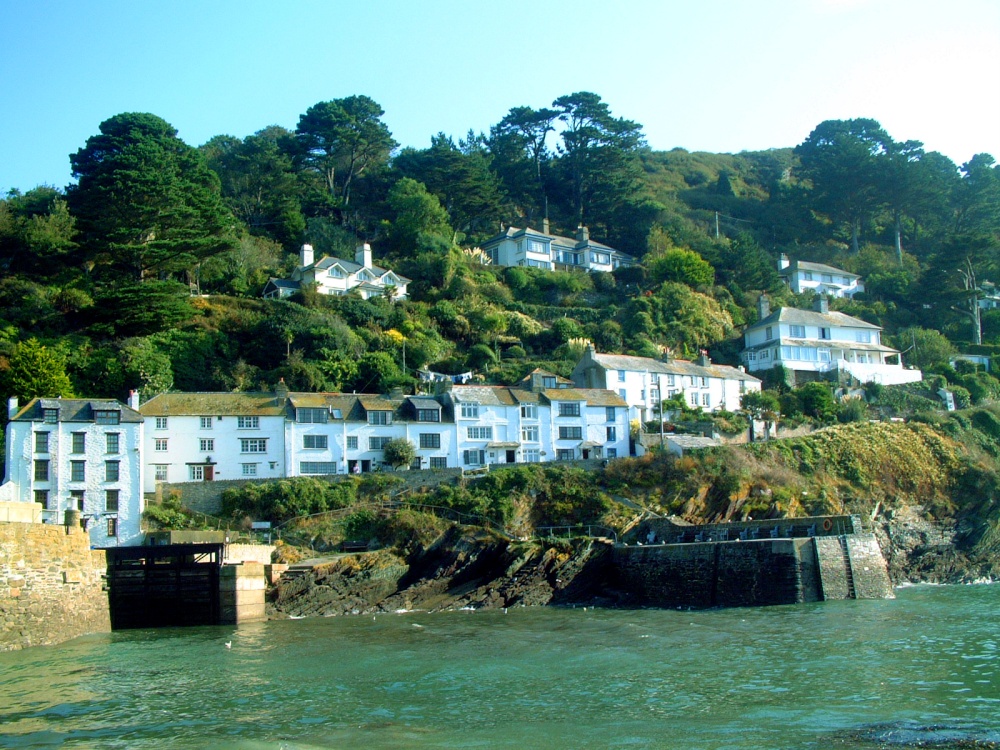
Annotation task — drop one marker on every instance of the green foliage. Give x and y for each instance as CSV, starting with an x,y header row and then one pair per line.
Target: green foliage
x,y
928,348
287,498
817,401
682,266
399,452
32,369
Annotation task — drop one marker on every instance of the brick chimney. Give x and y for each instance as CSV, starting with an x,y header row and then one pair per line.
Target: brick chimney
x,y
763,307
306,256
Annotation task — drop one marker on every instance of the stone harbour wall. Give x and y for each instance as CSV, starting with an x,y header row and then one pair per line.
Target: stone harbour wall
x,y
51,585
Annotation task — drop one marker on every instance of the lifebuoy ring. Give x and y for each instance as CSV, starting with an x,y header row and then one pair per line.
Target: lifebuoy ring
x,y
827,525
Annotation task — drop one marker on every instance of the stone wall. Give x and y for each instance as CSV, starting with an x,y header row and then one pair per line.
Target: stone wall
x,y
241,593
868,565
51,585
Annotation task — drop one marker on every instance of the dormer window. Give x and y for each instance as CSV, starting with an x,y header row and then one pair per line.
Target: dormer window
x,y
380,417
548,381
50,415
311,416
428,415
336,273
107,416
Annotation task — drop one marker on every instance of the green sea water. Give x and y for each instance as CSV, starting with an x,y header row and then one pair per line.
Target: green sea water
x,y
925,666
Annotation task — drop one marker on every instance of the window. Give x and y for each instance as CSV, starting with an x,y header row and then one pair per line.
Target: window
x,y
863,337
751,356
318,467
824,333
474,458
847,281
106,416
704,382
430,440
196,473
160,445
111,471
51,416
312,416
824,355
529,434
808,276
548,381
380,417
79,442
705,399
611,453
42,498
161,423
768,333
534,246
315,442
570,433
622,393
428,415
78,471
248,423
765,354
111,501
670,380
569,409
206,444
797,332
76,496
612,434
160,472
610,413
480,433
565,454
352,442
112,442
253,445
41,442
248,470
439,462
41,470
532,455
621,376
112,527
642,395
470,411
827,278
693,398
205,423
529,411
602,258
377,443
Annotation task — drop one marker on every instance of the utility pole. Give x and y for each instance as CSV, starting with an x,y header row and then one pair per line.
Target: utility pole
x,y
716,225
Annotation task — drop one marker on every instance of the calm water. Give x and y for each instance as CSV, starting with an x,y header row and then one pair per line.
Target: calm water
x,y
778,677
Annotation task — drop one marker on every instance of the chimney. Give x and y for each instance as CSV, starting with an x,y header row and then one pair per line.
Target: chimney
x,y
133,399
281,390
545,225
363,255
11,407
306,256
763,307
704,360
396,392
668,354
582,234
783,262
821,304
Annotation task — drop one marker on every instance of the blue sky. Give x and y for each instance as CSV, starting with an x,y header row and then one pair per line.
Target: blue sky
x,y
710,75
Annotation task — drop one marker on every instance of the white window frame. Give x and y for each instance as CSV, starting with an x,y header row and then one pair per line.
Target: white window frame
x,y
253,445
204,423
248,423
206,445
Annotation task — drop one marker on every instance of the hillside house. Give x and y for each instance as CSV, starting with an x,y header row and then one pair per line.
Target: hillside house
x,y
802,276
541,249
820,342
79,454
337,276
644,383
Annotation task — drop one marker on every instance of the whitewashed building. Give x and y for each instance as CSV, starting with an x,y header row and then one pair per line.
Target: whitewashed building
x,y
822,341
541,249
644,383
802,276
332,275
79,454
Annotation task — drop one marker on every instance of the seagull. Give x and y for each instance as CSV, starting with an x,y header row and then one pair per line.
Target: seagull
x,y
229,644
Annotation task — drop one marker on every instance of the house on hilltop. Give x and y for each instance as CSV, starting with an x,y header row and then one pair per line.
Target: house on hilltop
x,y
332,275
819,342
802,276
541,249
644,383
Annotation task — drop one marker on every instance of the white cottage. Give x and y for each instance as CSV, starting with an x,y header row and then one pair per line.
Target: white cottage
x,y
803,276
541,249
79,454
822,341
337,276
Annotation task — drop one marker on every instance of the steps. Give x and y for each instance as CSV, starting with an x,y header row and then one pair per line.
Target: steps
x,y
849,571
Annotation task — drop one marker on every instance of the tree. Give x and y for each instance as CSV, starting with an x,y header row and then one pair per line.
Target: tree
x,y
683,266
33,370
417,212
37,232
142,309
924,348
399,452
518,145
146,203
341,140
817,401
761,406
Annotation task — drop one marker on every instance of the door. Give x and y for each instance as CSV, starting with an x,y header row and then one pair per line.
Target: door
x,y
511,456
209,473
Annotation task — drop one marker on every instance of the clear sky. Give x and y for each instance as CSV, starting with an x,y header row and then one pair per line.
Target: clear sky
x,y
705,75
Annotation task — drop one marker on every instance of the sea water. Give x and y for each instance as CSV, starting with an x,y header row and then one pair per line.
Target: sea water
x,y
924,666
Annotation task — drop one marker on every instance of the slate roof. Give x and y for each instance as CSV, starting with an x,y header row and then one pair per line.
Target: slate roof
x,y
795,316
802,265
556,239
671,367
260,404
351,267
75,409
487,395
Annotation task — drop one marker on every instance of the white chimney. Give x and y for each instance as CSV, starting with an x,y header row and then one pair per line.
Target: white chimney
x,y
363,255
306,256
11,407
582,234
133,399
783,262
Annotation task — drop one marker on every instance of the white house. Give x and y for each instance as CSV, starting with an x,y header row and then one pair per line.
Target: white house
x,y
79,454
802,276
644,383
821,341
541,249
337,276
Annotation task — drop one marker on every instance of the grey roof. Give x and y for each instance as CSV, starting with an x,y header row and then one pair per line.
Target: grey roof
x,y
424,403
802,265
75,409
795,316
671,367
351,267
557,239
284,283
